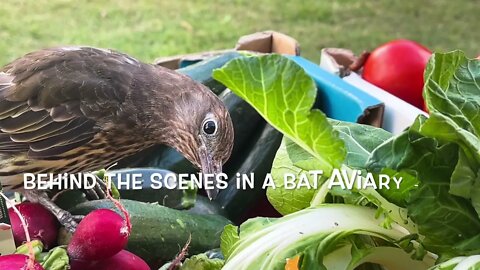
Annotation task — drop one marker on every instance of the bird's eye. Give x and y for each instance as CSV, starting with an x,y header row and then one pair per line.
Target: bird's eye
x,y
210,127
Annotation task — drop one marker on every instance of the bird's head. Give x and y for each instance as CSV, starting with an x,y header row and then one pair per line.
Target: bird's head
x,y
200,128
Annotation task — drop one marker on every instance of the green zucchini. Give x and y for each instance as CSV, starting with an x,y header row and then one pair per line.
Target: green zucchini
x,y
158,232
172,198
236,202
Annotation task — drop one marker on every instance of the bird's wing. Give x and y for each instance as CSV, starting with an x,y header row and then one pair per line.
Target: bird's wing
x,y
53,100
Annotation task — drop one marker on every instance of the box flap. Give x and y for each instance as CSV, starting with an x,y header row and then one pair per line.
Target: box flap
x,y
262,42
269,42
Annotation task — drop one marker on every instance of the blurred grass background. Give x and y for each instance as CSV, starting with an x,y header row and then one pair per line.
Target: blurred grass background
x,y
149,29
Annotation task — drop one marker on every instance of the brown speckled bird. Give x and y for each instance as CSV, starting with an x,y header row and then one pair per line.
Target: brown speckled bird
x,y
79,109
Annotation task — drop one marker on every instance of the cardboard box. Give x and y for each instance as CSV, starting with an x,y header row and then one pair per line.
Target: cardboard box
x,y
261,42
7,244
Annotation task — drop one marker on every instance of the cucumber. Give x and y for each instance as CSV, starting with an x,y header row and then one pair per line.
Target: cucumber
x,y
236,202
172,198
158,232
202,71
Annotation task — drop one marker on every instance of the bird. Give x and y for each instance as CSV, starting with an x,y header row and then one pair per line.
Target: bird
x,y
78,109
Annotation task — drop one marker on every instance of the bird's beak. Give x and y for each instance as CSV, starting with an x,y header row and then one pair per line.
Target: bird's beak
x,y
210,166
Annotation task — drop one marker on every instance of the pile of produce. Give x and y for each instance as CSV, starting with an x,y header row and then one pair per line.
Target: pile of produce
x,y
431,222
433,218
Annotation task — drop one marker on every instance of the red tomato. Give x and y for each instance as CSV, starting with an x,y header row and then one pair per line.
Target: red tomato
x,y
398,67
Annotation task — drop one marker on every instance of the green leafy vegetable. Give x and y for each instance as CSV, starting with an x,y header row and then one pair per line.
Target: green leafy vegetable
x,y
442,153
284,94
202,262
229,238
37,248
315,234
292,159
452,88
452,91
56,259
360,141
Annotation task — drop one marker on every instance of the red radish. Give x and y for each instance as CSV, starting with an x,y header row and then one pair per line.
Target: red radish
x,y
41,224
100,235
123,260
398,68
17,262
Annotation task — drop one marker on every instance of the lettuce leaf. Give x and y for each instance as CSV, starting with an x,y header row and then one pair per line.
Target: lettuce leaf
x,y
452,86
452,91
359,140
292,159
282,92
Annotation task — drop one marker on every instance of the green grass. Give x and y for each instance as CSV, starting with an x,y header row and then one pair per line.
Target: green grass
x,y
149,29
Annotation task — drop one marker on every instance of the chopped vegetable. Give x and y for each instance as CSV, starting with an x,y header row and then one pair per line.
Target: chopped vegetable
x,y
292,263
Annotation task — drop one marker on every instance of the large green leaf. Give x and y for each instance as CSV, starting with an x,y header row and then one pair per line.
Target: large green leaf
x,y
452,88
291,159
452,92
284,94
444,219
360,141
